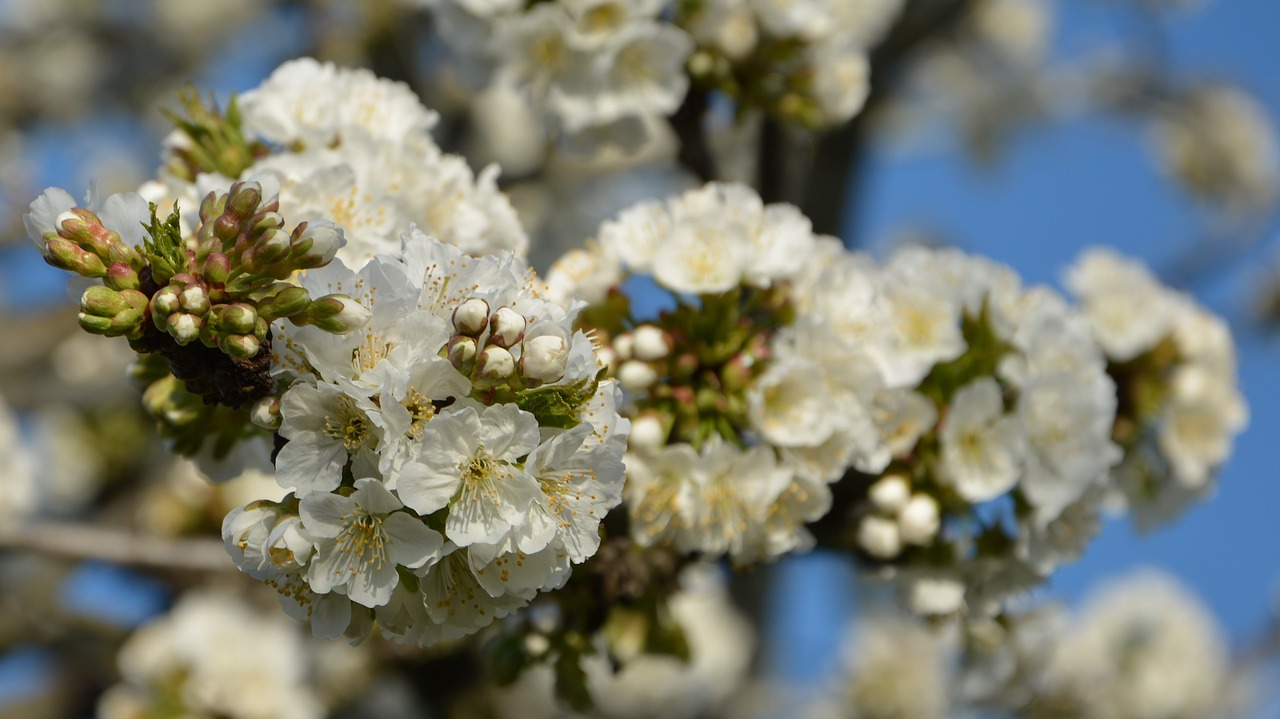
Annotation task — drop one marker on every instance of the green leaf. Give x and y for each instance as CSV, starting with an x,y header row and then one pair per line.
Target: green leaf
x,y
164,247
571,682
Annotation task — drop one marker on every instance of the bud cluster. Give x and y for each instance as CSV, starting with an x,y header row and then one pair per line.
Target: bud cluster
x,y
503,348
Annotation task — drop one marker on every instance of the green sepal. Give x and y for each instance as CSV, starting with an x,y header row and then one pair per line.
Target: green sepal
x,y
559,405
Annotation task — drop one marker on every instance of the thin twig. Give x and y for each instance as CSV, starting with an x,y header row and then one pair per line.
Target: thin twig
x,y
115,546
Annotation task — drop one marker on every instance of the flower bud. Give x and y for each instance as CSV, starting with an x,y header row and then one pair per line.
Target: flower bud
x,y
543,358
217,268
264,221
271,247
890,493
184,327
624,344
506,327
165,301
918,523
649,343
315,244
338,314
495,364
67,255
211,206
462,353
265,413
471,317
648,434
194,300
879,537
242,346
636,376
102,302
121,276
83,227
238,318
226,228
287,302
244,198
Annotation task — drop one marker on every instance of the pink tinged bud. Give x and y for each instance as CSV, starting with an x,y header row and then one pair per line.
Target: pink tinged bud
x,y
82,226
506,327
67,255
241,346
890,493
194,300
265,413
495,363
543,358
217,268
271,247
648,434
879,537
462,353
636,376
166,301
919,521
315,244
184,328
226,228
650,343
471,317
264,221
121,276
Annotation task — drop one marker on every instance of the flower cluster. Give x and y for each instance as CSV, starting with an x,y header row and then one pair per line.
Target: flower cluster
x,y
995,421
595,70
1175,367
214,655
803,61
728,456
447,462
347,147
974,414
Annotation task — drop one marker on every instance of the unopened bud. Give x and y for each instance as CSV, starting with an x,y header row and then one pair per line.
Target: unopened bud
x,y
194,300
82,226
543,358
264,221
315,243
104,311
211,206
265,413
183,327
272,246
166,301
242,346
494,364
244,198
462,353
919,522
121,276
67,255
285,303
471,317
226,228
890,493
648,433
879,537
636,376
506,327
650,343
338,314
238,318
217,268
624,344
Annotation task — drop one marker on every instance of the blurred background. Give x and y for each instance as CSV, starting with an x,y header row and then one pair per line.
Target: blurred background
x,y
1023,130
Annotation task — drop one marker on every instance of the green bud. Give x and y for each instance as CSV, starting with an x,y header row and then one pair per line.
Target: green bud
x,y
269,249
216,268
315,243
338,314
67,255
264,221
242,346
244,198
238,318
83,227
211,206
285,303
105,311
226,228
